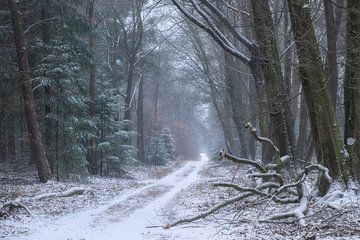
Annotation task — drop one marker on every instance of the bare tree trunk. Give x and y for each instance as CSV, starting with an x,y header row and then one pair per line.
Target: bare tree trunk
x,y
234,89
288,55
281,122
92,158
352,87
331,59
45,29
36,145
256,71
253,117
157,95
129,89
140,123
301,143
326,134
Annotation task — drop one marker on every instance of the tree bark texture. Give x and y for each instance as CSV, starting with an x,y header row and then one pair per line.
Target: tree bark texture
x,y
129,89
281,122
36,144
233,86
326,134
48,123
331,59
140,123
266,151
352,86
301,142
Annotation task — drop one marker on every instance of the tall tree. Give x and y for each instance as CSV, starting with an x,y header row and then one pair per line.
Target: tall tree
x,y
133,44
352,86
207,13
331,59
326,133
92,158
234,89
36,144
140,142
279,106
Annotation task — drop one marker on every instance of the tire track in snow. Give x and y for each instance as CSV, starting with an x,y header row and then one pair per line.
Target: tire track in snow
x,y
103,223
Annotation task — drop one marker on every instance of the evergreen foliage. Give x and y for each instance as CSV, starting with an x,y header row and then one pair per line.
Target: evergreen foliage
x,y
60,72
162,148
169,142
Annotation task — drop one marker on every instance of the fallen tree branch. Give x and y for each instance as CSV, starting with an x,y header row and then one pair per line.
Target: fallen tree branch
x,y
68,193
298,213
270,189
269,175
253,132
10,206
208,212
257,191
255,164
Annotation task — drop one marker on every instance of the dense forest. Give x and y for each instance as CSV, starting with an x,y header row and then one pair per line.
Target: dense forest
x,y
91,87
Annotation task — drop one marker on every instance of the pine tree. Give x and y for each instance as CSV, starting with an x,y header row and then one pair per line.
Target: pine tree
x,y
169,142
158,153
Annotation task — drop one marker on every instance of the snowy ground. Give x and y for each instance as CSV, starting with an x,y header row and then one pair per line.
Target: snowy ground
x,y
137,209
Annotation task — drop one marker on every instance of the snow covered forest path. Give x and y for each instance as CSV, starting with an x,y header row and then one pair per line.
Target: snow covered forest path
x,y
139,207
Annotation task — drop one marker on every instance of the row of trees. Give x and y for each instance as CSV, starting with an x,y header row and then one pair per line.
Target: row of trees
x,y
108,76
94,84
287,61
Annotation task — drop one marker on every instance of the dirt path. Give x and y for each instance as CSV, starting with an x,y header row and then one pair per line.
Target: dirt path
x,y
126,217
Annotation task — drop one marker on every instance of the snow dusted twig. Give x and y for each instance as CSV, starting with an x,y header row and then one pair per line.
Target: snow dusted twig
x,y
257,191
240,188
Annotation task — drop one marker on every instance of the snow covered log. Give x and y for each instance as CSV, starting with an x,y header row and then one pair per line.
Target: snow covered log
x,y
71,192
10,206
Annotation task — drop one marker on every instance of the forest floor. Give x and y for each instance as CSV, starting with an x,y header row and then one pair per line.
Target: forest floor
x,y
138,207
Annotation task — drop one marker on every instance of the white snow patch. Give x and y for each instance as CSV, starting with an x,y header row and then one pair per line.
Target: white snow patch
x,y
350,141
118,62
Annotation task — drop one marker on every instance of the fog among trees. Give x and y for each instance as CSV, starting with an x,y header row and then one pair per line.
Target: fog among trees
x,y
100,89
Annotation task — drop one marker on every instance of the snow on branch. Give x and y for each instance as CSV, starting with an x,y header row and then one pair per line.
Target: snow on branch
x,y
253,163
274,185
214,32
69,193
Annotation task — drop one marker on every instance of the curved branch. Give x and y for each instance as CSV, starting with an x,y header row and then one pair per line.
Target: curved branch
x,y
255,164
229,48
269,175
